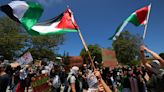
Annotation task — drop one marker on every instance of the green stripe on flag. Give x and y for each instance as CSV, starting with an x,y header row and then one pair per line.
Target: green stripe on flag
x,y
32,15
59,32
32,32
133,19
118,28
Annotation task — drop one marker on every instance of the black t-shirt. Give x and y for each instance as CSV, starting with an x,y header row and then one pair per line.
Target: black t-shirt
x,y
4,81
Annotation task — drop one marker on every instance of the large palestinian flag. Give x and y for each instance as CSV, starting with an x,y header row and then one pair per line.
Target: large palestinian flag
x,y
139,17
26,13
63,23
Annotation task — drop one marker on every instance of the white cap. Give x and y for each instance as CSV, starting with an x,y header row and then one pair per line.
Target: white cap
x,y
75,68
155,65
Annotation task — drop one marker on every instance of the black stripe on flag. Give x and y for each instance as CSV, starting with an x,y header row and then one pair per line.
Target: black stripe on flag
x,y
50,21
9,11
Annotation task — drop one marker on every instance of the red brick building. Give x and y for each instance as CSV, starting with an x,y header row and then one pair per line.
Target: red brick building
x,y
74,61
109,58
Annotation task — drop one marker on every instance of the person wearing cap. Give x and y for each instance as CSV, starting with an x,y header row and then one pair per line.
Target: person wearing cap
x,y
155,64
155,68
73,80
4,78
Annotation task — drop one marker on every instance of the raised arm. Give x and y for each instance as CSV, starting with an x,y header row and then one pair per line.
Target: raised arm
x,y
155,55
102,85
147,65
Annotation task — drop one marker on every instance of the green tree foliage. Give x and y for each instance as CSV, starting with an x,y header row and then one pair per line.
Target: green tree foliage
x,y
46,46
127,48
95,51
42,53
48,41
14,38
11,37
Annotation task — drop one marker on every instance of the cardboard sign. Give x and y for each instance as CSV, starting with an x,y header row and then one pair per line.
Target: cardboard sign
x,y
25,59
39,84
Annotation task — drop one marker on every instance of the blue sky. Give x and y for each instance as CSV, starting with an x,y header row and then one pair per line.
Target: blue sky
x,y
98,20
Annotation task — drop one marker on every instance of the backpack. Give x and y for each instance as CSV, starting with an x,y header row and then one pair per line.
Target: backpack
x,y
67,86
56,82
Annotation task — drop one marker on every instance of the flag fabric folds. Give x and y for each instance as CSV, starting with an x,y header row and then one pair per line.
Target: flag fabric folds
x,y
139,17
26,13
62,23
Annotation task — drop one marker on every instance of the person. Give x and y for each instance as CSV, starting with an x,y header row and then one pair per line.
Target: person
x,y
155,68
4,78
84,77
73,80
125,80
22,82
92,81
55,81
102,86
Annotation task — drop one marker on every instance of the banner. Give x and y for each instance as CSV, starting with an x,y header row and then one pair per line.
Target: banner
x,y
25,59
39,83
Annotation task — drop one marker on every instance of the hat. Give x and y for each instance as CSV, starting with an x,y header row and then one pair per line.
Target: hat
x,y
155,64
75,68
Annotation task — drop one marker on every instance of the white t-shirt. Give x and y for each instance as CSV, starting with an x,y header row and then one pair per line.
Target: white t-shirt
x,y
72,79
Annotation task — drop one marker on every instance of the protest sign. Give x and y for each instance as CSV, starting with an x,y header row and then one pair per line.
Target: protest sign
x,y
39,83
25,58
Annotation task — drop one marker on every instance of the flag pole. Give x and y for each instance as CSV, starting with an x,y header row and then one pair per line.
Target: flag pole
x,y
83,42
147,21
86,49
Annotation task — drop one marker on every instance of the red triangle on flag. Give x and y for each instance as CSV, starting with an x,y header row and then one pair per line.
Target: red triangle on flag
x,y
66,21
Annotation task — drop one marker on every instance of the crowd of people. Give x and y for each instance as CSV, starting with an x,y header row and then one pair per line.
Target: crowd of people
x,y
148,77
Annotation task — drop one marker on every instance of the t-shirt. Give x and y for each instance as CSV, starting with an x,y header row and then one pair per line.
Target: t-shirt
x,y
72,79
75,80
4,81
92,80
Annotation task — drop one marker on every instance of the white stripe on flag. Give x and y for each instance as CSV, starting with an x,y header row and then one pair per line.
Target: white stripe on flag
x,y
120,30
19,8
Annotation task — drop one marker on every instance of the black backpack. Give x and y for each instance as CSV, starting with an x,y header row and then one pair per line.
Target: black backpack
x,y
68,83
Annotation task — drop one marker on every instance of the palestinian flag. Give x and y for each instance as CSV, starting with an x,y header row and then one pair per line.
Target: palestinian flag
x,y
63,23
26,13
138,18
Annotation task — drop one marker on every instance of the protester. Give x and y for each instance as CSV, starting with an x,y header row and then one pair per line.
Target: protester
x,y
102,86
92,82
157,73
55,81
22,82
28,78
84,77
73,80
4,78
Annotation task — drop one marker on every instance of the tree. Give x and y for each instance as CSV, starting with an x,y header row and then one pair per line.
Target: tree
x,y
45,46
127,48
95,51
42,53
11,36
15,40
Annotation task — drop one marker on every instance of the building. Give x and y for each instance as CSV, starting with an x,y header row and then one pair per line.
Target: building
x,y
109,58
74,61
